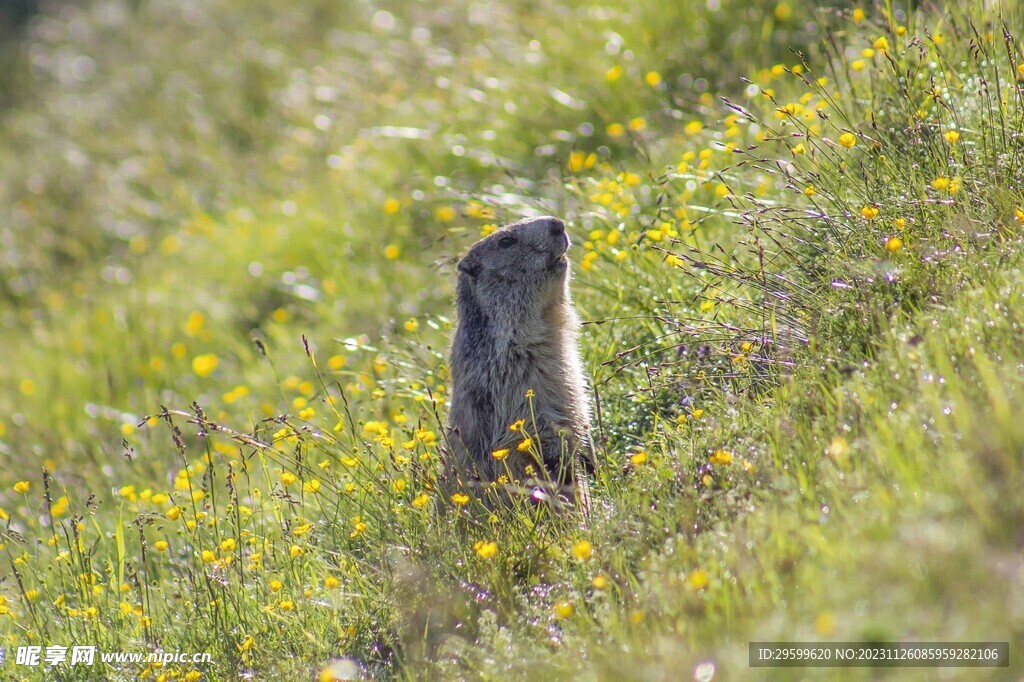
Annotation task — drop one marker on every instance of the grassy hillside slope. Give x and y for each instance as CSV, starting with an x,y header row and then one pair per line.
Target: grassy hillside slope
x,y
228,238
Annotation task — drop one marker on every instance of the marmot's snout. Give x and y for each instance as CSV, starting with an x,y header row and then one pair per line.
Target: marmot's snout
x,y
559,243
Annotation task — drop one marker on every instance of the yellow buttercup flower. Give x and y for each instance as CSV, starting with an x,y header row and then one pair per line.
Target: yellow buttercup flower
x,y
583,550
204,365
698,579
564,609
721,457
486,550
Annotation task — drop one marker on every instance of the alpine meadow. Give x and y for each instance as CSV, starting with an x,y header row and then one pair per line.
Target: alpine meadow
x,y
229,236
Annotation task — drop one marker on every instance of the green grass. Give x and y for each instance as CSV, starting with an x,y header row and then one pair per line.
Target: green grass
x,y
229,232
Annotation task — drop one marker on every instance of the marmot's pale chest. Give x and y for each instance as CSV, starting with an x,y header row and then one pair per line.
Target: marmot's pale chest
x,y
515,364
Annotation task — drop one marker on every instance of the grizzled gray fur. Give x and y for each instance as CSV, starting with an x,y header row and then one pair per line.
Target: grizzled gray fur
x,y
516,333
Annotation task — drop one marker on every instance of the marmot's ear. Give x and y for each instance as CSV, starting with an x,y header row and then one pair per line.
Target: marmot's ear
x,y
469,266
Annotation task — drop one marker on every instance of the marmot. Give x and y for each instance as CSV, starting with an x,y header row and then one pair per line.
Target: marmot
x,y
516,369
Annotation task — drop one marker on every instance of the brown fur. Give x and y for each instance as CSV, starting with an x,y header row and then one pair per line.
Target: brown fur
x,y
516,332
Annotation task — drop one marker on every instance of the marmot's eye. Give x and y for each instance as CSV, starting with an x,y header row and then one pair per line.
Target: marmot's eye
x,y
506,242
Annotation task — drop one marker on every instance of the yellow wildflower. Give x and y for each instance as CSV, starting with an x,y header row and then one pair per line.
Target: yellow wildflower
x,y
721,457
486,550
698,579
564,609
583,550
203,365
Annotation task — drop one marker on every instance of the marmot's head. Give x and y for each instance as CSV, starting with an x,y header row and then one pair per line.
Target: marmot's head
x,y
520,265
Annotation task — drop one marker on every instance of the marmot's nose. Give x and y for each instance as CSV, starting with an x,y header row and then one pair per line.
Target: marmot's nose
x,y
556,227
